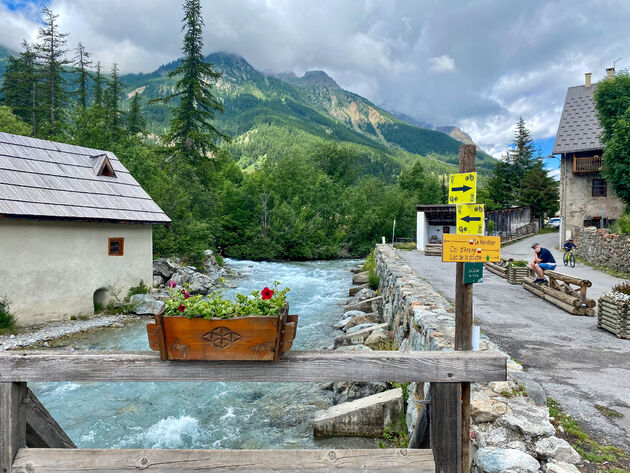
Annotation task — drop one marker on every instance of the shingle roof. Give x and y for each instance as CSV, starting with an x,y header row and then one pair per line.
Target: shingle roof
x,y
40,178
579,128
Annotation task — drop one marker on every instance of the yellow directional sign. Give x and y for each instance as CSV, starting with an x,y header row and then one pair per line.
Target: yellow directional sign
x,y
462,188
470,248
470,219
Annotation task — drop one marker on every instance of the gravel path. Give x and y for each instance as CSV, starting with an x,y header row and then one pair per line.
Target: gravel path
x,y
52,330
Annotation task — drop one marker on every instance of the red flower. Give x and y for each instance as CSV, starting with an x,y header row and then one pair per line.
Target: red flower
x,y
172,283
266,294
186,295
181,308
183,291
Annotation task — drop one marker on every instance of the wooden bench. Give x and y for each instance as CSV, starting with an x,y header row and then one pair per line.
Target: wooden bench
x,y
561,292
443,369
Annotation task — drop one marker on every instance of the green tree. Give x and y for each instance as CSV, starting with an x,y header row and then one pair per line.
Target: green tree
x,y
111,98
191,131
82,63
98,85
135,121
51,55
9,123
612,101
539,191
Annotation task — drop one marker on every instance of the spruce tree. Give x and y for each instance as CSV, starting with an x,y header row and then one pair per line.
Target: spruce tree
x,y
51,56
81,64
192,134
135,121
539,191
111,98
98,86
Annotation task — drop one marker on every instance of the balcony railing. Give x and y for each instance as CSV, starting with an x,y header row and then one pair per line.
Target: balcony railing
x,y
588,164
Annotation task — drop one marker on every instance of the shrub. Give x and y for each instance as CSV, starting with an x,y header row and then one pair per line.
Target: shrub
x,y
218,258
7,320
623,288
518,264
139,289
370,267
622,225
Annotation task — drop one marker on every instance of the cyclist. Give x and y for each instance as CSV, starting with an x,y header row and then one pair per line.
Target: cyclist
x,y
569,245
568,257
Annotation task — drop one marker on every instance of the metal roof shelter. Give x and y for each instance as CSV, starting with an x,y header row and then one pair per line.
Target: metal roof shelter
x,y
579,128
440,214
50,180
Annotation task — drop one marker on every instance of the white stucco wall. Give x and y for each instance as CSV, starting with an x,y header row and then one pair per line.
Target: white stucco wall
x,y
50,270
421,231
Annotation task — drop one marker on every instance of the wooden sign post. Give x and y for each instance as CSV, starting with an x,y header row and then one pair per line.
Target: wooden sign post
x,y
464,318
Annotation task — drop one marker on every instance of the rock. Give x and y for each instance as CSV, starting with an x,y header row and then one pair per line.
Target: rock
x,y
373,318
561,467
487,410
349,391
144,304
556,449
164,268
497,460
354,348
527,418
367,305
341,324
356,338
117,325
360,278
489,434
377,338
353,290
513,366
534,390
500,386
158,280
365,417
353,313
364,294
358,328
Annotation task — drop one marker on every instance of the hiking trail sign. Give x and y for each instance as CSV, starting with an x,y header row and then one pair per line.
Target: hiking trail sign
x,y
470,219
470,248
462,188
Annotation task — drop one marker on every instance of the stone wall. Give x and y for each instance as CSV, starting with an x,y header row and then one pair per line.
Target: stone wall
x,y
509,430
603,248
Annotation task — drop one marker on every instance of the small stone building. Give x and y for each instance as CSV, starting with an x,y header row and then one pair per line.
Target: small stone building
x,y
432,222
75,226
585,197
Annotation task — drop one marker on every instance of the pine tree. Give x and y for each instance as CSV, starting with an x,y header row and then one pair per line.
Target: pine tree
x,y
540,191
98,86
135,121
111,98
522,155
191,132
81,64
51,55
20,86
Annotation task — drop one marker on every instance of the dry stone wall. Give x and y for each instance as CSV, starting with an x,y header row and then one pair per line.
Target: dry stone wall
x,y
509,431
600,247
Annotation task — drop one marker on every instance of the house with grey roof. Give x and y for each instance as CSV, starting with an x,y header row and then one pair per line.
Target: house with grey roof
x,y
75,228
585,197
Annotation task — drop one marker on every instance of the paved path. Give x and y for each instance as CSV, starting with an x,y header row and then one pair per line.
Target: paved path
x,y
576,364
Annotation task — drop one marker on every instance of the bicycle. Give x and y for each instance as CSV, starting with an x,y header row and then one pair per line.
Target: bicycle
x,y
569,258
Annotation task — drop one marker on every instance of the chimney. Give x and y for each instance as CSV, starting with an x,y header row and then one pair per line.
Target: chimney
x,y
587,78
609,72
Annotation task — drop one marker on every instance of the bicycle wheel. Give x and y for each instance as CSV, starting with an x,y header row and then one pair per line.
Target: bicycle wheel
x,y
565,259
572,261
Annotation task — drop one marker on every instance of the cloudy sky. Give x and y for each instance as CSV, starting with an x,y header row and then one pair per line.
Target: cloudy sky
x,y
478,64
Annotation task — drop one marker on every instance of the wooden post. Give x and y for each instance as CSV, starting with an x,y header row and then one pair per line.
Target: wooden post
x,y
464,319
12,423
446,423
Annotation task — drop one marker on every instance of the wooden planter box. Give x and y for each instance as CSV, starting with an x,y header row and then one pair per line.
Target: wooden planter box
x,y
613,316
258,338
517,275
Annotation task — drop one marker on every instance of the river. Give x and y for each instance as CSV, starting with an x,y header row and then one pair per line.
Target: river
x,y
211,415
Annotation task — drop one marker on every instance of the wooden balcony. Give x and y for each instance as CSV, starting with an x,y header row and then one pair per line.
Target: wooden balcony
x,y
587,165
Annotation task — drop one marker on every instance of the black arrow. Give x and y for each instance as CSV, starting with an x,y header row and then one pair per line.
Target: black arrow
x,y
469,219
464,188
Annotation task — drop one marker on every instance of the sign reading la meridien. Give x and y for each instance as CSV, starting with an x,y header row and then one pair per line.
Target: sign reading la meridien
x,y
470,248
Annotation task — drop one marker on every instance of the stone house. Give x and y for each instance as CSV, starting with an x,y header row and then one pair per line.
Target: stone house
x,y
585,197
74,226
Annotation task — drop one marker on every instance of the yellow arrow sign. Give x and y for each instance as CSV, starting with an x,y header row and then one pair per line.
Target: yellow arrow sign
x,y
470,248
470,219
462,188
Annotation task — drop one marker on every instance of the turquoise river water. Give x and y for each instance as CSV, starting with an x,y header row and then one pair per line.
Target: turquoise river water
x,y
211,415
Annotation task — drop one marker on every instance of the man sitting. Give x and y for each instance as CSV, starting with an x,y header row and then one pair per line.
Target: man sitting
x,y
543,259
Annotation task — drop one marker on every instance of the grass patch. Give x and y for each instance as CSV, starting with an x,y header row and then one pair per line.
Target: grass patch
x,y
548,229
396,435
7,320
607,411
604,269
519,390
607,455
405,246
370,267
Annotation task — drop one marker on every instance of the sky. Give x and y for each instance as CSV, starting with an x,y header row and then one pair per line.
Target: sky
x,y
477,64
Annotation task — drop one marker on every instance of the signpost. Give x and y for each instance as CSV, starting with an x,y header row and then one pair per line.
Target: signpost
x,y
470,248
462,188
473,273
470,219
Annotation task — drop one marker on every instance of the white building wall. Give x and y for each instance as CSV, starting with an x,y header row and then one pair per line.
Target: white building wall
x,y
421,232
50,270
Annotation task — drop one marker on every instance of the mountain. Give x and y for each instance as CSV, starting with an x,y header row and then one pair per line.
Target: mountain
x,y
453,131
269,115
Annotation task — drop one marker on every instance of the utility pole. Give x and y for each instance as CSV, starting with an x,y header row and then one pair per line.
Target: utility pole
x,y
393,232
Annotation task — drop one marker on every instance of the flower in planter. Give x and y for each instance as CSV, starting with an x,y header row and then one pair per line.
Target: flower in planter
x,y
181,308
172,283
266,294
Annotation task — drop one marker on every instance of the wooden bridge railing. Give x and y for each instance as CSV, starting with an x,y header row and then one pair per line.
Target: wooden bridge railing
x,y
443,368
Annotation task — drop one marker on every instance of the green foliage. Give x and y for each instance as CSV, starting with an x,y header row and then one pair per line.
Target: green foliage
x,y
518,264
7,320
370,267
539,191
265,302
622,225
491,226
623,288
612,101
141,288
396,435
409,245
9,123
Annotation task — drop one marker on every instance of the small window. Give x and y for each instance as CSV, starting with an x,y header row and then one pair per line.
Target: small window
x,y
599,188
116,246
